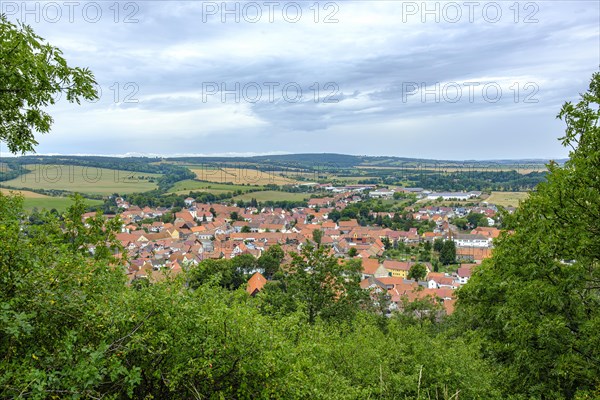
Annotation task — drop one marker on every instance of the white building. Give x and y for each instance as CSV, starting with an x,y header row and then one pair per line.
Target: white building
x,y
468,240
381,193
453,195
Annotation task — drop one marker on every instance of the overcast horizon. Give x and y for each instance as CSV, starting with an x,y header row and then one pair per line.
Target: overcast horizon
x,y
454,81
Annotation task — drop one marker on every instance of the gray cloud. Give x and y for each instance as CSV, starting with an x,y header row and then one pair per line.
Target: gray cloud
x,y
374,55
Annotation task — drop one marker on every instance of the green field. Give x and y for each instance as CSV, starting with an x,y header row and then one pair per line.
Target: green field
x,y
90,180
40,201
209,187
506,199
60,203
273,195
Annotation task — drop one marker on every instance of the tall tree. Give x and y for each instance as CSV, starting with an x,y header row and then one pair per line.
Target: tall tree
x,y
536,302
417,272
32,76
323,285
448,252
317,236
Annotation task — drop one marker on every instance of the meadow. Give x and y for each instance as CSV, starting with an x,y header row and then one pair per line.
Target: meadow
x,y
507,199
183,187
40,201
273,195
91,180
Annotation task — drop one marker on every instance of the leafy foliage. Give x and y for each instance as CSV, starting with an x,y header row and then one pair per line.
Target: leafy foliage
x,y
417,272
71,327
32,74
448,252
537,301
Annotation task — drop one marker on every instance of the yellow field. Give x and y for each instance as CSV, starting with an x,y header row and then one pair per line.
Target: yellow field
x,y
241,176
91,180
507,198
25,193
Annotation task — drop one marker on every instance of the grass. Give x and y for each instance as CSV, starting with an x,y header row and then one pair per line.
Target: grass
x,y
241,176
506,199
60,203
211,187
273,195
41,201
89,180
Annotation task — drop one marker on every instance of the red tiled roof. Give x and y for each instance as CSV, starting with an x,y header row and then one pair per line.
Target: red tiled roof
x,y
256,283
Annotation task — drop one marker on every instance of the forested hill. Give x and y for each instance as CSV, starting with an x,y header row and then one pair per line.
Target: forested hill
x,y
307,160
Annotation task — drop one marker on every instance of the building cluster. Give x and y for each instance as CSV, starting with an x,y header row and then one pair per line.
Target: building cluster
x,y
212,231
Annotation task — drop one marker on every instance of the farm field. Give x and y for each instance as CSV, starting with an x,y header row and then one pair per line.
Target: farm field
x,y
273,195
90,180
40,201
507,198
240,176
211,187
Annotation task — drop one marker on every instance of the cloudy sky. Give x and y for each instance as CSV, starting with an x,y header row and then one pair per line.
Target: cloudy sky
x,y
445,80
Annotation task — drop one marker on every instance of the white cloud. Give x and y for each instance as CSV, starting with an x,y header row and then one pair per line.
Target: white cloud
x,y
374,49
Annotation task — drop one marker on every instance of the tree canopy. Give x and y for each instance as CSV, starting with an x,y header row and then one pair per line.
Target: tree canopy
x,y
33,74
536,302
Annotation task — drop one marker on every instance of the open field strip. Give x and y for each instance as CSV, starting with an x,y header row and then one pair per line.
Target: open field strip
x,y
40,201
273,195
506,199
241,176
211,187
91,180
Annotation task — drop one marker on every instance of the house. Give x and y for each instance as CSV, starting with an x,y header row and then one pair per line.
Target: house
x,y
473,254
369,267
397,269
256,283
438,280
453,195
470,240
464,273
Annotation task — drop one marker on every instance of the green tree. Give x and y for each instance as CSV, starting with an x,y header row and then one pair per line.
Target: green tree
x,y
32,75
244,263
417,271
438,245
387,243
536,302
56,306
448,252
317,235
228,274
270,260
462,223
477,219
322,285
245,229
352,252
427,246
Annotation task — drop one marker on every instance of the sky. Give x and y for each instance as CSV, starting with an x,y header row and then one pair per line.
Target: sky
x,y
437,79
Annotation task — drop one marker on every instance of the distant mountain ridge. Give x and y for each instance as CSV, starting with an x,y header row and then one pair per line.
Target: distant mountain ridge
x,y
304,160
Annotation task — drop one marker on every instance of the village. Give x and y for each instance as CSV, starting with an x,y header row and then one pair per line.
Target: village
x,y
199,231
